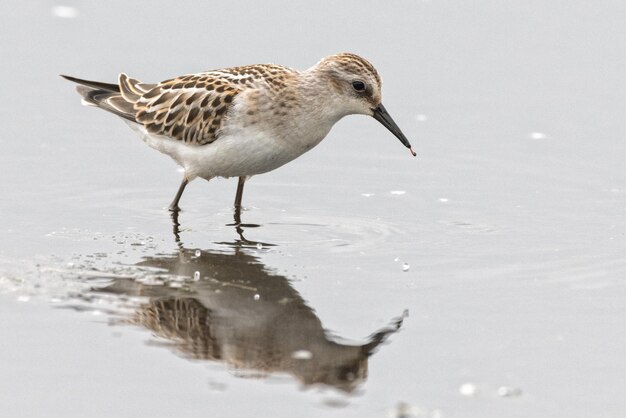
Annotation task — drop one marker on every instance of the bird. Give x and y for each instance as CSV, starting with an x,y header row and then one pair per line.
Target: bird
x,y
246,120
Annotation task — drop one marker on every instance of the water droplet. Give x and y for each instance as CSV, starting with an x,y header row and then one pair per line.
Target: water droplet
x,y
468,389
367,194
396,259
443,199
65,12
259,246
509,392
398,192
198,253
537,135
421,118
302,355
196,276
406,267
406,410
23,298
257,297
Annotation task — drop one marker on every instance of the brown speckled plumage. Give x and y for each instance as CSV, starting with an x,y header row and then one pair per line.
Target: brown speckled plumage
x,y
193,108
243,121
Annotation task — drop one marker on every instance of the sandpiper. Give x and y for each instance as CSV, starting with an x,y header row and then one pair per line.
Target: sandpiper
x,y
243,121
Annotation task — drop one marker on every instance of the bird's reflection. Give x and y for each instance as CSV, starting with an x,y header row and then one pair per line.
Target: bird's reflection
x,y
238,226
234,309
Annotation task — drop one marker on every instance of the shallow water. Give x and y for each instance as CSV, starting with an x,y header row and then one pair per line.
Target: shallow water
x,y
484,278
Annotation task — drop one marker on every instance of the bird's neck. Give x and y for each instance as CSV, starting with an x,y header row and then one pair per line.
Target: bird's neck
x,y
319,95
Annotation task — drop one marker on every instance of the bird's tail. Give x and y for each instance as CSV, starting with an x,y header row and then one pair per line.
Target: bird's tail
x,y
97,85
105,96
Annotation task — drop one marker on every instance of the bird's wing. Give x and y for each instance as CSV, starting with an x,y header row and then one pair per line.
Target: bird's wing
x,y
190,108
193,108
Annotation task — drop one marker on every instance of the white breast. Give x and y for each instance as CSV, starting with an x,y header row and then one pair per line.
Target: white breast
x,y
249,145
238,152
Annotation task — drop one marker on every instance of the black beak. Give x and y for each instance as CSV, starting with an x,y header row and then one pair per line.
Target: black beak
x,y
381,115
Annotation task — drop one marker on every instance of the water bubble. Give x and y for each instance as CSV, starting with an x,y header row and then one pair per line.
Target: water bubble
x,y
443,199
367,194
509,392
406,410
259,246
196,276
302,355
537,135
406,266
198,253
468,389
396,259
65,12
257,296
398,192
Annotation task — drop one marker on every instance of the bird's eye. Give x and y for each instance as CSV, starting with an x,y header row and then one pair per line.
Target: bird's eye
x,y
358,85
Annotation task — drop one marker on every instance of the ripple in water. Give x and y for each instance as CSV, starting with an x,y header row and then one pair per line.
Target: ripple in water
x,y
340,234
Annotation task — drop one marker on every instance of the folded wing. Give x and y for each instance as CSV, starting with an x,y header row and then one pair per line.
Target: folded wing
x,y
191,108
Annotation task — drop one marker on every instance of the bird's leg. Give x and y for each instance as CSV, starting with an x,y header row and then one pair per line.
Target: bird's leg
x,y
238,196
174,205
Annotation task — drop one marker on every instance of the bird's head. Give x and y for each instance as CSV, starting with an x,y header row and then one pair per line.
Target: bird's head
x,y
357,86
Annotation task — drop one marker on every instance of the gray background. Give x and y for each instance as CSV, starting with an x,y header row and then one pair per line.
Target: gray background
x,y
512,217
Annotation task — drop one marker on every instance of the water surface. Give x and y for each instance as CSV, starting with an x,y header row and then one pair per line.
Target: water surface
x,y
484,278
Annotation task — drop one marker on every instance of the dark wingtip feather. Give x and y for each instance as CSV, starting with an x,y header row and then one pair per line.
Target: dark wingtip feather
x,y
110,101
93,84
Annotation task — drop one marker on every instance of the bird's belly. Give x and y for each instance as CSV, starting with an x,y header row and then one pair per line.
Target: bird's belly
x,y
232,155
